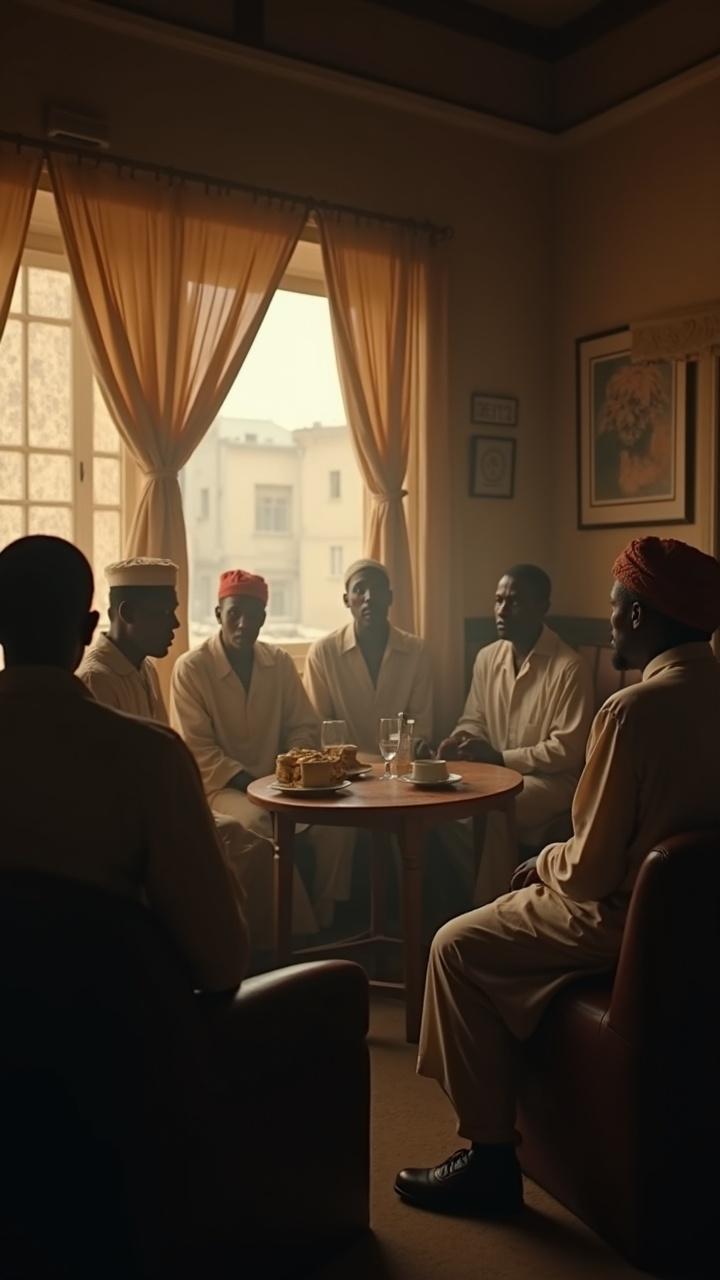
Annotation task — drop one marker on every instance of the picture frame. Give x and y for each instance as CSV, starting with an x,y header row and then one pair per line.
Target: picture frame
x,y
634,436
492,467
493,411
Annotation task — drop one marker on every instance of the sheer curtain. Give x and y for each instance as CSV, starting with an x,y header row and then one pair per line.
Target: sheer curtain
x,y
386,288
173,281
19,173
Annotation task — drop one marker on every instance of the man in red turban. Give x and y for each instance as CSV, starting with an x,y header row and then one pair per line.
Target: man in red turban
x,y
238,702
652,770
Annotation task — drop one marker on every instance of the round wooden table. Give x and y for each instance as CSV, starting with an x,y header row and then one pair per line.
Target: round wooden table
x,y
394,808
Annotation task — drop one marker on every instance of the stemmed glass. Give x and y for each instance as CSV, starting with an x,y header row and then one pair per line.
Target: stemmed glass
x,y
333,733
389,743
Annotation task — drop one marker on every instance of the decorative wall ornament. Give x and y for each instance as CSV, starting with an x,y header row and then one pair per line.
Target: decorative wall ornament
x,y
679,335
634,424
492,467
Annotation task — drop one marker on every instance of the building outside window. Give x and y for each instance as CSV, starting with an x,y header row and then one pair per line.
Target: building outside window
x,y
272,508
285,491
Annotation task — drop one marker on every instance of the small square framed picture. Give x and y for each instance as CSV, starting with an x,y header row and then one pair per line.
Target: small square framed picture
x,y
493,411
492,467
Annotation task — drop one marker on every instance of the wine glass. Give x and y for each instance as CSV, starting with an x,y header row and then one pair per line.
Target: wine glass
x,y
333,733
389,742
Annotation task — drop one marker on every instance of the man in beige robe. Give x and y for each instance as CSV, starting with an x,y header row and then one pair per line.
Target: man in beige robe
x,y
121,804
652,771
238,703
529,708
365,670
119,670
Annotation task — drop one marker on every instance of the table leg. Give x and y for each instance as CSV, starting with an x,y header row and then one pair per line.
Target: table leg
x,y
379,854
511,827
411,841
283,863
479,826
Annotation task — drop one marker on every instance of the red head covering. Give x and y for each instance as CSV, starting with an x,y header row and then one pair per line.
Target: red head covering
x,y
236,582
674,578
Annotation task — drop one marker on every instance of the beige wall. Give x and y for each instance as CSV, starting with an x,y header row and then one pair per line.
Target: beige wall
x,y
195,112
636,233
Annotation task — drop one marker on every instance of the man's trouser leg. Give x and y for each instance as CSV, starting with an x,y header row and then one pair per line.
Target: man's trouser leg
x,y
464,1044
247,840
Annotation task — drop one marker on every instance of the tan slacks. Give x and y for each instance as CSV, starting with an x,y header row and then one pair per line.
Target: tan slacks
x,y
491,974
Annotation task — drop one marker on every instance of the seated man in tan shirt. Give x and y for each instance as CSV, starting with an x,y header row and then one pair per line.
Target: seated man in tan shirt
x,y
529,708
121,804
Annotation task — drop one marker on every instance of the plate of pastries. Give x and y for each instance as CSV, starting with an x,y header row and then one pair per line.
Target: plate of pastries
x,y
307,771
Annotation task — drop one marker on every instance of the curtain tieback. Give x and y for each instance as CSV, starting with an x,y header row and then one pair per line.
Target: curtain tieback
x,y
164,473
394,495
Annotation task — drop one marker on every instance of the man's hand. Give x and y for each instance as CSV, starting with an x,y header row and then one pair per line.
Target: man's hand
x,y
526,874
241,781
479,750
450,747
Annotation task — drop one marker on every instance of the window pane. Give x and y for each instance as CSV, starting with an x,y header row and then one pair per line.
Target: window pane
x,y
105,434
106,482
48,293
12,479
16,300
11,384
11,524
50,477
53,520
49,386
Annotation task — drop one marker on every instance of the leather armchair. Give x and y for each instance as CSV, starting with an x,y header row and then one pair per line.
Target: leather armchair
x,y
619,1105
151,1132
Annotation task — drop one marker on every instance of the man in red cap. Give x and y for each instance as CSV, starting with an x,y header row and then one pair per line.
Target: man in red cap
x,y
493,971
238,703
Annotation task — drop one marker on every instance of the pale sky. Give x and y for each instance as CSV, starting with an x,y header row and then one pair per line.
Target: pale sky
x,y
290,374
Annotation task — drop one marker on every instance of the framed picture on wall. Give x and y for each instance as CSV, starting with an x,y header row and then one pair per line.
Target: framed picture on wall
x,y
492,467
634,435
492,410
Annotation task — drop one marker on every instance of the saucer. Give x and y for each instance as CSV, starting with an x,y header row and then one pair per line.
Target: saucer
x,y
450,781
359,773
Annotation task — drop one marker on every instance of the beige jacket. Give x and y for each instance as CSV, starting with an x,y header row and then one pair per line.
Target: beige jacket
x,y
112,679
340,688
229,731
98,796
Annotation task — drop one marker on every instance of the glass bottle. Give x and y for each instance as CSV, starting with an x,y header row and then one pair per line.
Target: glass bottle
x,y
403,760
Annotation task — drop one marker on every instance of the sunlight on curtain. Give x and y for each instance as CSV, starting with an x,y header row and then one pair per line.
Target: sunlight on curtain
x,y
19,173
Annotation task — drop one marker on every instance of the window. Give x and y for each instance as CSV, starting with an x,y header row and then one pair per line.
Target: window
x,y
272,508
60,452
285,491
204,506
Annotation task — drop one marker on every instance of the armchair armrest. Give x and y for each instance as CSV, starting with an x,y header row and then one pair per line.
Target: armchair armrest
x,y
303,1006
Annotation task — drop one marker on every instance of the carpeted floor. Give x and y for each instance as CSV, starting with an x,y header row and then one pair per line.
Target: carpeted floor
x,y
412,1124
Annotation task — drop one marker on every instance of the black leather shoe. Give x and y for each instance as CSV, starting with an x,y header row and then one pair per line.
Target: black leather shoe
x,y
483,1183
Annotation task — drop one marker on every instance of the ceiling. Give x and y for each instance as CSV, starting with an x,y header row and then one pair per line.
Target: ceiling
x,y
539,13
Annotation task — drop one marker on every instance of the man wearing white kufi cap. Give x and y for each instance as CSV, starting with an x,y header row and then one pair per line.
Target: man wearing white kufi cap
x,y
119,671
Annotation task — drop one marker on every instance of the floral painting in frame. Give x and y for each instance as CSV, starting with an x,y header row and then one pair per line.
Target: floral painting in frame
x,y
633,422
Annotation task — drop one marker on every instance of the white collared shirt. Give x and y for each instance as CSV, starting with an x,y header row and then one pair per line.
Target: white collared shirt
x,y
340,687
112,679
230,731
539,719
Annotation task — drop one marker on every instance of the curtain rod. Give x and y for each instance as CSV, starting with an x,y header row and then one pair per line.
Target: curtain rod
x,y
312,203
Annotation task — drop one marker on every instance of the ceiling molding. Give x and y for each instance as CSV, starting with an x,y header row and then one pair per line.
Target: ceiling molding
x,y
548,43
260,62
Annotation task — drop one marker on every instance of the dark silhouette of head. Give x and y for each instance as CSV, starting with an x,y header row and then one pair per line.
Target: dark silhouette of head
x,y
46,591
